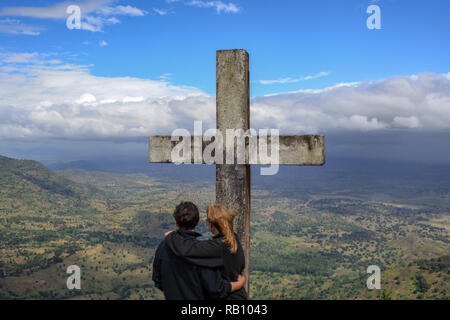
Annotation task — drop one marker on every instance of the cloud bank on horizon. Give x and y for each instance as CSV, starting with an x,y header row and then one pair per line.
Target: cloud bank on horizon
x,y
44,97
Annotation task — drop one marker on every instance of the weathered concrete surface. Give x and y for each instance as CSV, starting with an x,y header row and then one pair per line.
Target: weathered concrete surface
x,y
233,112
305,150
160,149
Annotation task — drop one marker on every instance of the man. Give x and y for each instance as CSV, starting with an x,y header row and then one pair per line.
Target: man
x,y
180,280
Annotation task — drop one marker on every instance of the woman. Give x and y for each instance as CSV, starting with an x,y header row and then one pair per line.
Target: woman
x,y
223,250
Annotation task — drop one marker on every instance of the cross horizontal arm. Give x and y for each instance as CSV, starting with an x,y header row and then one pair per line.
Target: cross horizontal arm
x,y
300,150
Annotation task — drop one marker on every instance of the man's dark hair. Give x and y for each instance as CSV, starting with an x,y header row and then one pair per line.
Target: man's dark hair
x,y
186,215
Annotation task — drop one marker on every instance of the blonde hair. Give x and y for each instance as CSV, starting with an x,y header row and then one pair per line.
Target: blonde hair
x,y
222,219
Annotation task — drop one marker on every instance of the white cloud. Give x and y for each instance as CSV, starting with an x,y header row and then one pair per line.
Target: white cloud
x,y
407,122
319,75
58,11
284,80
66,101
103,43
97,23
122,10
86,98
165,76
106,101
95,14
133,99
16,27
21,57
218,5
161,12
40,98
292,80
420,103
311,91
113,20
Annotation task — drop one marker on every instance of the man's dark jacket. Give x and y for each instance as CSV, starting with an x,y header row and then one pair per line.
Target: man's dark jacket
x,y
212,253
181,280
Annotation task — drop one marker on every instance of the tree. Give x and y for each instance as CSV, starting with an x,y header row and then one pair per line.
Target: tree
x,y
386,295
422,285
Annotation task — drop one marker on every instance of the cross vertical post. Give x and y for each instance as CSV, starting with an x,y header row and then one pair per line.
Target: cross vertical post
x,y
233,112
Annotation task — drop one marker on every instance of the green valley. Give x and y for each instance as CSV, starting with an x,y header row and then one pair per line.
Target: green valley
x,y
305,244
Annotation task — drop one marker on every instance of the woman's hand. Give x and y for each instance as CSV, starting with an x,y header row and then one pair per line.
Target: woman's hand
x,y
238,284
167,233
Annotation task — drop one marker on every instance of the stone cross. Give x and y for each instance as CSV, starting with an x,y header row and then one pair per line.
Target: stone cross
x,y
233,112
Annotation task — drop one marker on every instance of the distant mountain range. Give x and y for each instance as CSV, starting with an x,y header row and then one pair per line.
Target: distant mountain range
x,y
367,179
29,184
371,179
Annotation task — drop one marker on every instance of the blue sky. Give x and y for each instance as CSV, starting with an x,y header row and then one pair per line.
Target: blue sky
x,y
286,39
137,68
